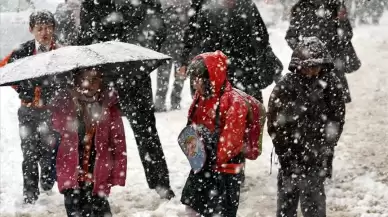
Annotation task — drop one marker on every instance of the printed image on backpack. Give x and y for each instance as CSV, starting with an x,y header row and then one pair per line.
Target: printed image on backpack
x,y
192,146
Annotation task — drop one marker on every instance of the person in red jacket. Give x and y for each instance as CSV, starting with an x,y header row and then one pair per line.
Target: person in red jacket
x,y
91,157
222,111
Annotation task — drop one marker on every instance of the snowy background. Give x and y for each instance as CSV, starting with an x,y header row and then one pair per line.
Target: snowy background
x,y
359,187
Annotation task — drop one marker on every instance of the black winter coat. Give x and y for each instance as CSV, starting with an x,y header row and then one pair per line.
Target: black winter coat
x,y
176,20
26,88
305,120
323,21
121,20
239,31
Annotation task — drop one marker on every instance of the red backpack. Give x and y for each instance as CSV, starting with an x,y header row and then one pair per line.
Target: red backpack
x,y
256,117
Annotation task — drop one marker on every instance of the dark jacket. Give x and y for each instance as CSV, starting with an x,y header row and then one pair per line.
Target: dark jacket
x,y
66,29
244,39
306,115
325,21
35,91
176,20
140,24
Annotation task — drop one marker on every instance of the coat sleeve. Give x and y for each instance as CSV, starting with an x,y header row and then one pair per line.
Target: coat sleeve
x,y
293,32
279,118
343,23
160,31
191,31
336,103
230,143
8,59
118,144
258,29
87,17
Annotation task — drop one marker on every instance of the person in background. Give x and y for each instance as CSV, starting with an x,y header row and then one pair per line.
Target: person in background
x,y
34,119
333,28
175,16
92,154
244,39
67,16
306,115
140,24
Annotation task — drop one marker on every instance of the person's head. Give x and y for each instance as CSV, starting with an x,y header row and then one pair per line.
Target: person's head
x,y
311,58
88,82
199,76
42,25
208,72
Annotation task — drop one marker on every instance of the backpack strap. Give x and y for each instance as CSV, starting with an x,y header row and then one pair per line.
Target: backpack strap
x,y
190,119
217,119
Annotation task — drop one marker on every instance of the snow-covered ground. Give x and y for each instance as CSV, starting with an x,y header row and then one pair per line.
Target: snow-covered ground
x,y
359,187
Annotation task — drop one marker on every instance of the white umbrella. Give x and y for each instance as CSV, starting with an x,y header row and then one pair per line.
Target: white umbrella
x,y
122,59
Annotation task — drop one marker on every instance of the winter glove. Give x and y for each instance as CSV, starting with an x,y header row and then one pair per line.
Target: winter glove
x,y
28,114
26,91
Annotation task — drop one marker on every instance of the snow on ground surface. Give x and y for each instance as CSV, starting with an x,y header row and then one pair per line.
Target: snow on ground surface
x,y
359,187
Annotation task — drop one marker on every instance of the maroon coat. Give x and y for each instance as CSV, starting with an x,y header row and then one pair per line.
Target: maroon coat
x,y
111,159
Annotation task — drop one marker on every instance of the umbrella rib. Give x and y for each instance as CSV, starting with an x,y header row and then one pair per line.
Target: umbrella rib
x,y
99,56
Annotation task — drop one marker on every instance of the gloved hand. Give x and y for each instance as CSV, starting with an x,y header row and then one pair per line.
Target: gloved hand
x,y
26,91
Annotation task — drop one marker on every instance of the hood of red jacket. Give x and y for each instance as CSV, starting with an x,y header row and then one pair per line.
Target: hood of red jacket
x,y
217,66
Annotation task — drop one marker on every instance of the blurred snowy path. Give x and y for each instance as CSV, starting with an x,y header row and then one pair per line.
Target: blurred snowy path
x,y
359,187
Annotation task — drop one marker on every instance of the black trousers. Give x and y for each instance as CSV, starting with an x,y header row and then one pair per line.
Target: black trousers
x,y
309,190
163,80
82,203
36,137
137,105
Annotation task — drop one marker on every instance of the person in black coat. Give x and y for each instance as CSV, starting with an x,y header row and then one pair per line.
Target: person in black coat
x,y
175,16
141,24
306,115
327,21
67,17
236,28
34,118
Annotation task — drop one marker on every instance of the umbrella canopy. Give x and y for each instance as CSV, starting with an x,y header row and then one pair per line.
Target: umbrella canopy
x,y
121,60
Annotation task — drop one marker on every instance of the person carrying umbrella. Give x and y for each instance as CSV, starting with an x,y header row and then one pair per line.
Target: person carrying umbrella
x,y
85,114
105,20
92,153
35,133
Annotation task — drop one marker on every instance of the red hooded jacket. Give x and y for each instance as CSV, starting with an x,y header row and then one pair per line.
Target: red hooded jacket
x,y
110,165
233,112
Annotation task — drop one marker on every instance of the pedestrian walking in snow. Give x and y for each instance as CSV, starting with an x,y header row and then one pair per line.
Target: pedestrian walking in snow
x,y
327,21
215,189
92,152
34,119
306,114
141,24
373,9
175,16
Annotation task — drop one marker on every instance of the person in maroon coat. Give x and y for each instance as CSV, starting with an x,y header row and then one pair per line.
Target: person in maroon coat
x,y
91,157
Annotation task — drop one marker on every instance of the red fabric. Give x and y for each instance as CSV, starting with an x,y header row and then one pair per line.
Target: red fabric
x,y
254,128
233,110
111,159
